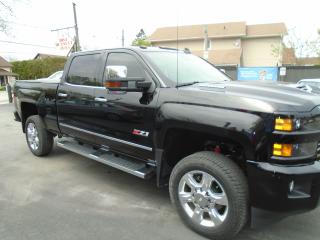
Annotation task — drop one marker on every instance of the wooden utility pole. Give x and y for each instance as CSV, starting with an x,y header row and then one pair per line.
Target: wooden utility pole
x,y
76,45
77,41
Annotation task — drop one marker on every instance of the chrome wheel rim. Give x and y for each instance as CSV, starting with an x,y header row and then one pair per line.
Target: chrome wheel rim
x,y
203,198
33,136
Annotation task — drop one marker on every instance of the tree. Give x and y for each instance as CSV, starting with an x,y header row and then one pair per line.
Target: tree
x,y
316,45
302,47
141,39
5,11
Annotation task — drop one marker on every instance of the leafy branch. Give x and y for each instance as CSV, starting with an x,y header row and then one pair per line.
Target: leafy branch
x,y
5,10
141,39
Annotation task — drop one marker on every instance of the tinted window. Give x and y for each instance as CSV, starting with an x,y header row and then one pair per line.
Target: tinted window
x,y
83,70
120,60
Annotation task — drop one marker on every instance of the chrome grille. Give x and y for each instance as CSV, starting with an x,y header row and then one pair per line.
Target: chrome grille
x,y
311,123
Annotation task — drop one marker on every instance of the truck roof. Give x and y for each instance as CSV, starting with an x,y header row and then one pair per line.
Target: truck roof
x,y
136,49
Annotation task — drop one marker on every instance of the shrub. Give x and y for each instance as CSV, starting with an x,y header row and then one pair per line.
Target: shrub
x,y
39,68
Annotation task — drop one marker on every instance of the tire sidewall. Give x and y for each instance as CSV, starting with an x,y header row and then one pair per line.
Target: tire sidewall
x,y
36,120
231,220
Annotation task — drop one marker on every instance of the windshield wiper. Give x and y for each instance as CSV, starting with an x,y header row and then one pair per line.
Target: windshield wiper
x,y
187,84
195,82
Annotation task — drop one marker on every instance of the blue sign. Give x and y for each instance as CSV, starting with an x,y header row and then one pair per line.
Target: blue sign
x,y
258,73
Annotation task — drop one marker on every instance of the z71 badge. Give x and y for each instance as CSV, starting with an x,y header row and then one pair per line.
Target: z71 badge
x,y
140,133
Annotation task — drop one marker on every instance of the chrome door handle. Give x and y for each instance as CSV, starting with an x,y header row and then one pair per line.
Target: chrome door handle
x,y
62,95
100,99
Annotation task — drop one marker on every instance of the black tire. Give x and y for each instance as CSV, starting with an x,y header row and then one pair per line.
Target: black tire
x,y
45,138
235,186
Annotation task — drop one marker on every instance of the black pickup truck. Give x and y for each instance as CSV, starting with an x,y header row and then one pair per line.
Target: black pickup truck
x,y
221,146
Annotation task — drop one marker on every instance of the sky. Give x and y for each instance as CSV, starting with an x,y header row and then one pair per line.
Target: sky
x,y
101,22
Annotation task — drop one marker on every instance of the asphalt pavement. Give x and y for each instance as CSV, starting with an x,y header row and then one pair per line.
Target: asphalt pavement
x,y
66,196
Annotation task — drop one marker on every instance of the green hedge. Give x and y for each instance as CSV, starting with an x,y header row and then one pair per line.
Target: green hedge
x,y
39,68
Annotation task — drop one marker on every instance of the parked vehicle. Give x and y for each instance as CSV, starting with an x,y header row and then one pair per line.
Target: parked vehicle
x,y
56,75
221,146
313,85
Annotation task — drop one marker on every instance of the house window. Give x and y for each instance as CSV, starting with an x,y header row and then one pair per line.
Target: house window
x,y
237,43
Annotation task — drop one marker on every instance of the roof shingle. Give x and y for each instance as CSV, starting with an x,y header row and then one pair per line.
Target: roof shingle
x,y
197,31
218,30
4,63
270,29
45,55
7,73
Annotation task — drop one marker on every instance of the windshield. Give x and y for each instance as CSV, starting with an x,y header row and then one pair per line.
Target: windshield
x,y
191,69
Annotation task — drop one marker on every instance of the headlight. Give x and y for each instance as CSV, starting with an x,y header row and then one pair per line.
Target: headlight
x,y
306,149
287,124
297,123
282,150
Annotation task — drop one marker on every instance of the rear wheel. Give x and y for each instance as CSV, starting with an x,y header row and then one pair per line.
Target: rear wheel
x,y
39,140
210,194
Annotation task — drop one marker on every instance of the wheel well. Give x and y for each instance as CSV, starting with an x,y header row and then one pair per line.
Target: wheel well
x,y
180,143
27,110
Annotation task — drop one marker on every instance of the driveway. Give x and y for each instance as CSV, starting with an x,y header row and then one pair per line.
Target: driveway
x,y
4,97
66,196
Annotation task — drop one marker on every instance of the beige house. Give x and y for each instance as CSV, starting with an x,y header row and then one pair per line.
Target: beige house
x,y
229,44
6,74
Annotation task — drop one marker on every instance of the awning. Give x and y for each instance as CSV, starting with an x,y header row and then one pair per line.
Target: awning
x,y
7,73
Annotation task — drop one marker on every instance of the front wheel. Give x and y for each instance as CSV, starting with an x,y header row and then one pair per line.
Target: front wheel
x,y
210,194
39,140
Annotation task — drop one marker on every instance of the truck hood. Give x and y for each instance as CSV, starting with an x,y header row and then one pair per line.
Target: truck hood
x,y
262,96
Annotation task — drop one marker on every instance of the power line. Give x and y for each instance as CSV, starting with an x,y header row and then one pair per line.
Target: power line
x,y
26,44
64,28
27,25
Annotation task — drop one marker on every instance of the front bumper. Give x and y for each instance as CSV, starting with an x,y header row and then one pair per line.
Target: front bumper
x,y
269,186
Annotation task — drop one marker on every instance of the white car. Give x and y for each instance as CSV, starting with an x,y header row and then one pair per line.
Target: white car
x,y
56,75
312,85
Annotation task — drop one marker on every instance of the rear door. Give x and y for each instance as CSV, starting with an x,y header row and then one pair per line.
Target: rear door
x,y
125,120
75,97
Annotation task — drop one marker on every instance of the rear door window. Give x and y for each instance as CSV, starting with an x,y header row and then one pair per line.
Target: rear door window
x,y
84,70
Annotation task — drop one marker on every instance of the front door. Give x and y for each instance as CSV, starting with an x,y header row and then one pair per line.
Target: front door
x,y
126,119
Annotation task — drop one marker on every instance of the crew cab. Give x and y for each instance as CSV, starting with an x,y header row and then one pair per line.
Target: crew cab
x,y
221,146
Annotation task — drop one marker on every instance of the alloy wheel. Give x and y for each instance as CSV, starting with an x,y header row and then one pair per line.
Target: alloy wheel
x,y
203,198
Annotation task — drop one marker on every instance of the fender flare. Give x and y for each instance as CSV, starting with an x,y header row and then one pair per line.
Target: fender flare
x,y
245,128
